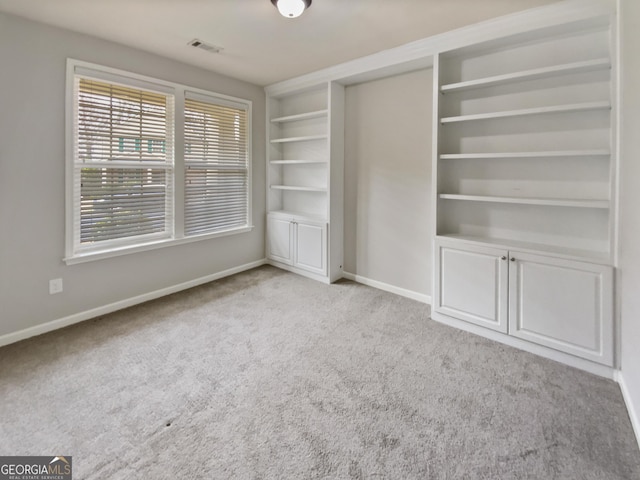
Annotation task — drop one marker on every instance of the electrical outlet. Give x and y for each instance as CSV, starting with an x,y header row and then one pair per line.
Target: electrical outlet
x,y
55,286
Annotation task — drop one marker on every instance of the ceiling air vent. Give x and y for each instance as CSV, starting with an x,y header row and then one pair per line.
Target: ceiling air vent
x,y
204,46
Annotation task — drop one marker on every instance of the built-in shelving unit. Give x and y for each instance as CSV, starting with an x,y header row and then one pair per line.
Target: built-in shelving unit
x,y
299,152
524,168
524,150
524,204
305,148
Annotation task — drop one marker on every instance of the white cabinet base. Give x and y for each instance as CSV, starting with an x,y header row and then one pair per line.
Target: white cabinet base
x,y
297,244
299,271
542,351
471,284
279,236
562,304
311,247
530,298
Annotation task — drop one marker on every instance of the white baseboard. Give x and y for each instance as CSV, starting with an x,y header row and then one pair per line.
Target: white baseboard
x,y
634,416
298,271
420,297
112,307
540,350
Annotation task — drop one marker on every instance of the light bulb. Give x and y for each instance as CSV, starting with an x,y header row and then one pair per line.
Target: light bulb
x,y
291,8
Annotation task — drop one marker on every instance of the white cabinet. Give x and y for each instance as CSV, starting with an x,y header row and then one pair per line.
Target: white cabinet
x,y
562,304
310,246
279,239
305,170
297,242
472,284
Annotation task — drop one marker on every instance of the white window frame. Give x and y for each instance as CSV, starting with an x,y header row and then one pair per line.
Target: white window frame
x,y
74,255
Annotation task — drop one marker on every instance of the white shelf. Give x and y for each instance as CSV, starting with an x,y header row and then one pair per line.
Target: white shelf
x,y
567,252
548,154
577,107
298,189
299,215
551,202
301,116
297,162
300,139
534,74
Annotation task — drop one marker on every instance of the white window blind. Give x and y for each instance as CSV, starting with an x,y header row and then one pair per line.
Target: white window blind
x,y
123,164
216,165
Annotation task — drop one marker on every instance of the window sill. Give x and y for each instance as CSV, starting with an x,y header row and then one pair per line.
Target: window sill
x,y
126,250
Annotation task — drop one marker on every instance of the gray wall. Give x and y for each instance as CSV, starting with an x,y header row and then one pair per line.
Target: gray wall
x,y
32,172
388,180
629,259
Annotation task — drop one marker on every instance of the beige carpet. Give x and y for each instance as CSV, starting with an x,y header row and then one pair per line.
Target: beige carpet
x,y
267,375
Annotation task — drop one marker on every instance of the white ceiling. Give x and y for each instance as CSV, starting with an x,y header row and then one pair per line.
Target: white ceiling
x,y
259,45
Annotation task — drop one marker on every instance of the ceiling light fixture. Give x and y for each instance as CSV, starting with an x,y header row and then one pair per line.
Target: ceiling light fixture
x,y
291,8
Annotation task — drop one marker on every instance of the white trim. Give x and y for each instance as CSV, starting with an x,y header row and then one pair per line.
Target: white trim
x,y
69,109
98,69
618,71
126,250
126,79
112,307
551,354
634,416
594,368
403,292
216,99
298,271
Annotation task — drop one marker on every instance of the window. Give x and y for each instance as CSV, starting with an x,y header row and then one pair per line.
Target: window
x,y
122,192
124,168
216,165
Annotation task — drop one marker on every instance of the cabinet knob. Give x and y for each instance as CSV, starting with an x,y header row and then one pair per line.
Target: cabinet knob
x,y
503,257
513,259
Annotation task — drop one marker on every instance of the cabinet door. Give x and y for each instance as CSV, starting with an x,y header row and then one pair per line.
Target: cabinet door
x,y
311,247
562,304
471,283
279,244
